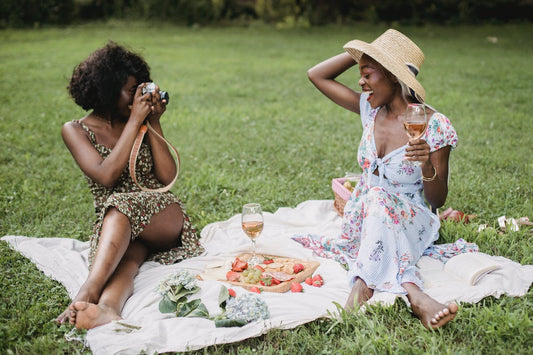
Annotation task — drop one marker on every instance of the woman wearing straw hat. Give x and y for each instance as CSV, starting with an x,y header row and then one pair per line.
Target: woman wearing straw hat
x,y
387,224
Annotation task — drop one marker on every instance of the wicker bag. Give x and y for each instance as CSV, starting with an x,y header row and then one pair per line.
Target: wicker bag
x,y
342,194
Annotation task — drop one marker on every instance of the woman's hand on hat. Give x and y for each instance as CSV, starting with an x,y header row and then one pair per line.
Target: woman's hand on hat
x,y
417,150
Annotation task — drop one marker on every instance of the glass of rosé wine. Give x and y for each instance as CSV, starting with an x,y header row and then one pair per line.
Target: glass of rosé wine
x,y
252,225
415,122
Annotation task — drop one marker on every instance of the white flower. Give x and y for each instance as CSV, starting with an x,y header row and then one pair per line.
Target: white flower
x,y
175,282
247,308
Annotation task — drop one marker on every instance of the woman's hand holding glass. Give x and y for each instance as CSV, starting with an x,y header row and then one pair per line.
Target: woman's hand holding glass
x,y
415,122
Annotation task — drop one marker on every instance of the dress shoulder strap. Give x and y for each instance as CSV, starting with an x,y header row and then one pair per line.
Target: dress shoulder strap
x,y
92,136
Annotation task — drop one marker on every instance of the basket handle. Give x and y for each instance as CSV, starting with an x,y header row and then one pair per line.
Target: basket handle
x,y
135,151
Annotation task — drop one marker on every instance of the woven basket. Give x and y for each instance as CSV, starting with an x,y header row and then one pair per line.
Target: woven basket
x,y
342,194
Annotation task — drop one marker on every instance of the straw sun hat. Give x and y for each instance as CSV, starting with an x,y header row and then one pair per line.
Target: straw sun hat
x,y
396,53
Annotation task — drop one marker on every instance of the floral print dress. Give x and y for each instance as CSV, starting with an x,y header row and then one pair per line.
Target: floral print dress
x,y
386,225
139,206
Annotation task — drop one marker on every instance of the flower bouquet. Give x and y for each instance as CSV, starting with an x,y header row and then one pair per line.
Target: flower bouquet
x,y
236,310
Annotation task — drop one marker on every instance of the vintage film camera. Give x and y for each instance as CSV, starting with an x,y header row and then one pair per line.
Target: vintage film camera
x,y
151,88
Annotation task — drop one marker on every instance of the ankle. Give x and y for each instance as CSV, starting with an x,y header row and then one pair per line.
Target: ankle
x,y
91,290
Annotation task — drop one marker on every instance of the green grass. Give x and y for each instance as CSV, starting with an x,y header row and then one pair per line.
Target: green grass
x,y
250,127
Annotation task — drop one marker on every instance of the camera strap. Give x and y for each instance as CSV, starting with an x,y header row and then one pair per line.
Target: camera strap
x,y
135,152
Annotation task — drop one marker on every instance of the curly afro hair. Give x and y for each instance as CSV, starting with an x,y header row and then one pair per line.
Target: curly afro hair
x,y
97,81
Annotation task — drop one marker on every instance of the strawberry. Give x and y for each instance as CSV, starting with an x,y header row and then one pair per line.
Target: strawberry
x,y
232,292
456,216
317,277
239,265
298,268
275,281
317,280
268,260
233,276
309,281
296,287
255,289
266,280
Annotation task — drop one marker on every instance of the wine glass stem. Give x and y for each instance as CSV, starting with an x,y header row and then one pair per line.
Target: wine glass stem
x,y
253,249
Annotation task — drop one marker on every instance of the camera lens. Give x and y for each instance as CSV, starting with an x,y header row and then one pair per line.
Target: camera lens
x,y
164,95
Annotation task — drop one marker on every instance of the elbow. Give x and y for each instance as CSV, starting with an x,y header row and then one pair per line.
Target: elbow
x,y
107,180
318,78
436,205
165,181
436,201
312,76
108,183
167,178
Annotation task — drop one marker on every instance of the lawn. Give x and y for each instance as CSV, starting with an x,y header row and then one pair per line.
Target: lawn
x,y
251,127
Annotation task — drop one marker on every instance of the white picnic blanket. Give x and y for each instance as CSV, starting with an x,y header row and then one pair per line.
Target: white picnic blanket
x,y
65,260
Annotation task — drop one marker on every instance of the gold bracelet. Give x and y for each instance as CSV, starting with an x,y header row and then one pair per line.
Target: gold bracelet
x,y
430,178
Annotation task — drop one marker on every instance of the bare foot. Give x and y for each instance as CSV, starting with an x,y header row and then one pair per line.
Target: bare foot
x,y
90,315
67,315
359,295
84,294
431,313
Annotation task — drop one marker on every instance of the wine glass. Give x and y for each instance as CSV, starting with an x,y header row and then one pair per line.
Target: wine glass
x,y
252,225
415,121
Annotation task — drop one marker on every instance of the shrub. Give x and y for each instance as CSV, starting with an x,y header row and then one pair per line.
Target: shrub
x,y
23,13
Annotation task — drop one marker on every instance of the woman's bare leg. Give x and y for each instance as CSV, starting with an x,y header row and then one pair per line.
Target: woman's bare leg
x,y
431,313
114,240
97,305
116,291
360,294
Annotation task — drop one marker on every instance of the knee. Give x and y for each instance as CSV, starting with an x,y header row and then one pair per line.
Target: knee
x,y
114,213
167,224
116,231
114,217
176,210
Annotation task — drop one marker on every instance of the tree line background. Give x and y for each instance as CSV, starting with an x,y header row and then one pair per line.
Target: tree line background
x,y
36,13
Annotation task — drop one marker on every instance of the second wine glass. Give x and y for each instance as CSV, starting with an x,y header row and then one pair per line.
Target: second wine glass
x,y
415,122
252,225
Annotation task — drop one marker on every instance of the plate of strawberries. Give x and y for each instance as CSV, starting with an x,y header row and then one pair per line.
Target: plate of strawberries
x,y
273,274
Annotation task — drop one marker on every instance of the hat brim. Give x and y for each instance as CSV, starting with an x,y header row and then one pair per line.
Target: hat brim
x,y
357,48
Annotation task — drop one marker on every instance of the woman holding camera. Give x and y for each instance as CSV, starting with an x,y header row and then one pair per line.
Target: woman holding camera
x,y
132,225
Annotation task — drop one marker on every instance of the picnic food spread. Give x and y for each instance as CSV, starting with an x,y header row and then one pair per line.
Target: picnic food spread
x,y
273,274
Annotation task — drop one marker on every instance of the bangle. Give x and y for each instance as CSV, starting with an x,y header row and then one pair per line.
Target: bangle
x,y
430,178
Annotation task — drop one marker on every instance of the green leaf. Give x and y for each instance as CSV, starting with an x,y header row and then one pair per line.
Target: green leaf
x,y
223,297
182,299
222,323
200,312
167,306
185,308
183,293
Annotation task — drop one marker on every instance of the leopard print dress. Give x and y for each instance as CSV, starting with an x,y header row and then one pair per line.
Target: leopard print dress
x,y
139,206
